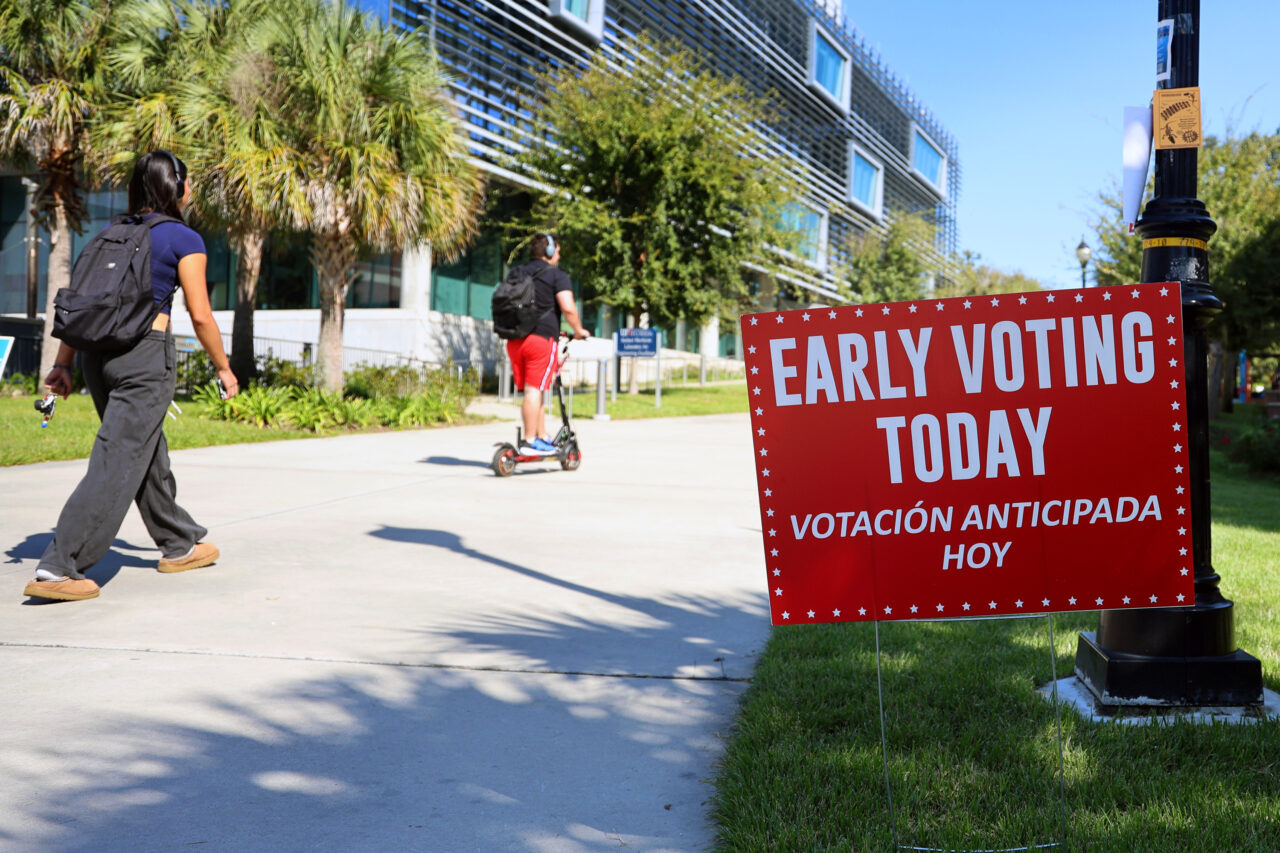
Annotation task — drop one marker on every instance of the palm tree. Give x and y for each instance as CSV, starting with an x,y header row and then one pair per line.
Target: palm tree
x,y
199,81
51,92
380,157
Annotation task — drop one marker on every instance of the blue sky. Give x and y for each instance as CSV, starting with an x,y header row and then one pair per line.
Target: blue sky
x,y
1035,92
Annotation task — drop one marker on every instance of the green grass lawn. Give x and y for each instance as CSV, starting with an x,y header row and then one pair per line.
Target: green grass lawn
x,y
973,753
75,423
70,433
677,401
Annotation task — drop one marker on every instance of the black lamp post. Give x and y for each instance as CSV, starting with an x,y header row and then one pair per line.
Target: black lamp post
x,y
1083,254
1183,656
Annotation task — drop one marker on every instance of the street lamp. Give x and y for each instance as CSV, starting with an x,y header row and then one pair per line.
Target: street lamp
x,y
1179,656
1083,254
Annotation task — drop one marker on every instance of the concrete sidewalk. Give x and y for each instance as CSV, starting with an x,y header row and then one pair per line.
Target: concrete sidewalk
x,y
398,651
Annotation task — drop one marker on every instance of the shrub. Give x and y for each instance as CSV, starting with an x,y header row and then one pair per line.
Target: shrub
x,y
423,409
401,380
316,410
362,412
219,409
194,370
19,385
1257,446
278,372
257,405
372,381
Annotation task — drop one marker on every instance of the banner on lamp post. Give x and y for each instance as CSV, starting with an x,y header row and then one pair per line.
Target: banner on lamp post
x,y
1137,160
972,456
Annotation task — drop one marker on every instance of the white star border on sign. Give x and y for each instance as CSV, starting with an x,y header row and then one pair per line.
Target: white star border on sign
x,y
902,609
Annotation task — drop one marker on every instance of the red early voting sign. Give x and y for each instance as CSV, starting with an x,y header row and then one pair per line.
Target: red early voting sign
x,y
973,456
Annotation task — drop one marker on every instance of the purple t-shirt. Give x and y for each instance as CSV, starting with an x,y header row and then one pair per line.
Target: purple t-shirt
x,y
170,243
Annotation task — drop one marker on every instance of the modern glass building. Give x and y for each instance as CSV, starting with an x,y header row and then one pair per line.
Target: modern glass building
x,y
870,149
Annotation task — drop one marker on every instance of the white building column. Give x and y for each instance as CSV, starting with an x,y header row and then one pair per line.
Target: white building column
x,y
708,346
415,280
709,338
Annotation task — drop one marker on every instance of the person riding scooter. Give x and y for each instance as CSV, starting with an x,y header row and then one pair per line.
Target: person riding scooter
x,y
533,357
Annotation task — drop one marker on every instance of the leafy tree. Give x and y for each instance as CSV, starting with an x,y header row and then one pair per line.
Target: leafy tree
x,y
967,277
375,144
199,81
658,186
896,262
1118,258
1240,185
52,88
890,264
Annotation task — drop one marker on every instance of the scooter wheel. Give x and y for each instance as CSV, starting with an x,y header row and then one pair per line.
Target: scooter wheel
x,y
571,459
504,461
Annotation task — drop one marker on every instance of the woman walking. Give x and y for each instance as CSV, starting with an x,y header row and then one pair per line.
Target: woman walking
x,y
132,390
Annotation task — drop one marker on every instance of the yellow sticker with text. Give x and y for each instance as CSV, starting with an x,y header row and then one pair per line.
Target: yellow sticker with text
x,y
1167,242
1175,118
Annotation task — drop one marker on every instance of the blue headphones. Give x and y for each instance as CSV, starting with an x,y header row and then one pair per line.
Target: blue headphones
x,y
551,247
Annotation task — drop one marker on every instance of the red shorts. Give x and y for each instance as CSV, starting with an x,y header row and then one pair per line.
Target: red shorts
x,y
533,361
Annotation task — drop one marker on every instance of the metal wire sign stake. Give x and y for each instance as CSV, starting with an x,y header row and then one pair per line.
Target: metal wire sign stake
x,y
1057,715
940,459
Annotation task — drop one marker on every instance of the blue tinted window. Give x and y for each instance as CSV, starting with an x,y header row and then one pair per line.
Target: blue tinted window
x,y
578,8
828,66
927,160
866,176
465,287
808,224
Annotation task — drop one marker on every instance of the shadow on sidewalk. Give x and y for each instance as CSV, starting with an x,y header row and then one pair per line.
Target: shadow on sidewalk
x,y
454,461
683,625
102,572
410,757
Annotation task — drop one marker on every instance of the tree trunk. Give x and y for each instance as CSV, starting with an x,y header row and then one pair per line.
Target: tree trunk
x,y
248,248
1217,360
333,296
333,257
59,276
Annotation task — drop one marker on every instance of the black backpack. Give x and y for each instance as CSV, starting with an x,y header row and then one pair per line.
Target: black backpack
x,y
109,305
515,304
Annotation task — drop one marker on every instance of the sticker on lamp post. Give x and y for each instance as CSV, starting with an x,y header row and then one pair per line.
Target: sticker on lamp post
x,y
972,456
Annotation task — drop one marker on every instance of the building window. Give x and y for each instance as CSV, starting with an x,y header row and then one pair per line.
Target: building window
x,y
286,279
928,161
585,17
465,287
376,282
828,67
13,250
810,224
866,181
219,272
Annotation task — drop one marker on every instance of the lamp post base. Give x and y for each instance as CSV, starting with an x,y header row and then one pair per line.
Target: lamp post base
x,y
1117,678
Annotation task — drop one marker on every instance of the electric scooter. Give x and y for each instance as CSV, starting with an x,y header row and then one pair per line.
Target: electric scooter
x,y
566,452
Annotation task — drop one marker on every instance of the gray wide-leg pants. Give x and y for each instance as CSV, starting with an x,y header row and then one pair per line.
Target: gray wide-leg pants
x,y
129,462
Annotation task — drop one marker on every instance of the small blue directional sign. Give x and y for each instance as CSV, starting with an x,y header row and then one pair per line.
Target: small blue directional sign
x,y
6,344
637,342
